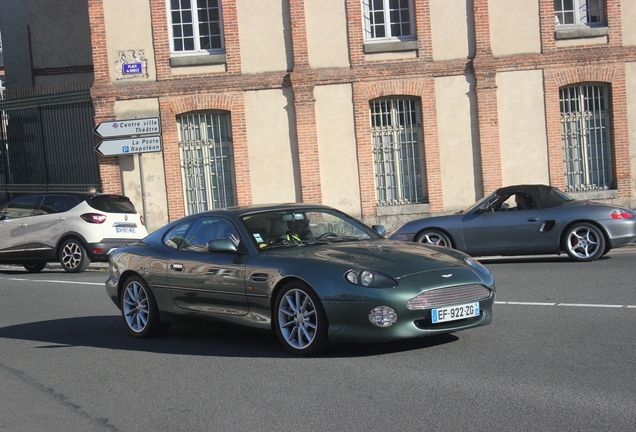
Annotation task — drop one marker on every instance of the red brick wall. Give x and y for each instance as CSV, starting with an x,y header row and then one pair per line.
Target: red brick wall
x,y
407,77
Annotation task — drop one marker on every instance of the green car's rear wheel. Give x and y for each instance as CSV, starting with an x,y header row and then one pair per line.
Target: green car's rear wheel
x,y
140,311
300,321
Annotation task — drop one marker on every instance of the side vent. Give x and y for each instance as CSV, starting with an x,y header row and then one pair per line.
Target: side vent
x,y
547,226
259,277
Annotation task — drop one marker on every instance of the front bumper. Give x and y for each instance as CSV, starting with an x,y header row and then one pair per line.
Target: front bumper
x,y
349,320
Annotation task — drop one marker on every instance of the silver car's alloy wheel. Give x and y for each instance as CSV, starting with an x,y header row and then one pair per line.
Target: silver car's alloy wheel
x,y
73,256
135,306
434,237
584,242
301,324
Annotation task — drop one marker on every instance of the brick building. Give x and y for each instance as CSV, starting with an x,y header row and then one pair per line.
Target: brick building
x,y
388,110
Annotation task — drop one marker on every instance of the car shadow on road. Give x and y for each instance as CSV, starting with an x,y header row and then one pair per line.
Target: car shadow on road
x,y
108,332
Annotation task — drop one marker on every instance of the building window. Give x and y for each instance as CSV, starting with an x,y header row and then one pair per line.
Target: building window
x,y
578,12
388,20
207,161
196,26
397,151
585,130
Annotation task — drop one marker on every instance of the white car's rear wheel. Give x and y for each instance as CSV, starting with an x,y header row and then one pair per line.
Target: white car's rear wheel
x,y
73,256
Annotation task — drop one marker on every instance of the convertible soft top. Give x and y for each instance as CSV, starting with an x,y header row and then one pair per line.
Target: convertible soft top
x,y
544,196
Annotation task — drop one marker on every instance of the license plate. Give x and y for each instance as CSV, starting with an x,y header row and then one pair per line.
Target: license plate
x,y
124,230
453,313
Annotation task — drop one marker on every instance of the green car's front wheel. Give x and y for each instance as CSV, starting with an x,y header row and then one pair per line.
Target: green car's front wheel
x,y
300,321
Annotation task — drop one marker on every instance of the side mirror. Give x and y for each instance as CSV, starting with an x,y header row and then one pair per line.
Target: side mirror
x,y
222,245
379,229
483,209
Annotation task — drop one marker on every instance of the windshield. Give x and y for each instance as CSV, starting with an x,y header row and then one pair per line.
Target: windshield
x,y
301,227
479,203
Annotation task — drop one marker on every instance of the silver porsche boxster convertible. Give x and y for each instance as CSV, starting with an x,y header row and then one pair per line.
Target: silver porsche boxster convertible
x,y
528,220
311,274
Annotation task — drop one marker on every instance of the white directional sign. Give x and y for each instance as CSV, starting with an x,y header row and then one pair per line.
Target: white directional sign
x,y
122,128
126,146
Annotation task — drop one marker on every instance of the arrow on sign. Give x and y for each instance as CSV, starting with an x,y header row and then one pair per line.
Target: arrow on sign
x,y
126,146
122,128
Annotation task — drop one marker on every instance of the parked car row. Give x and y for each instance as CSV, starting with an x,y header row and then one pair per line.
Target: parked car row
x,y
310,273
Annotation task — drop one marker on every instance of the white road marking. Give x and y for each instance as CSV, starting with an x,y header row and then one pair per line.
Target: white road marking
x,y
589,305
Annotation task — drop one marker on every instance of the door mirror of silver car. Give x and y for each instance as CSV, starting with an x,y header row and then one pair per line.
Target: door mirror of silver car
x,y
379,229
222,245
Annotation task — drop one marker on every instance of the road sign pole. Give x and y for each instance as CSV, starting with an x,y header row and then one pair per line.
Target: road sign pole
x,y
143,188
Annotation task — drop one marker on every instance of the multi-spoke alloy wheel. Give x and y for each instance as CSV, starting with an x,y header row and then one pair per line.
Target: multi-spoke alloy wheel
x,y
73,256
434,237
139,309
584,242
300,321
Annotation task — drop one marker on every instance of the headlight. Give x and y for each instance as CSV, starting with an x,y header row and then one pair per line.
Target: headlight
x,y
370,279
383,316
476,265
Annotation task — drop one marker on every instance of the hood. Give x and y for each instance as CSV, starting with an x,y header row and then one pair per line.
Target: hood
x,y
394,259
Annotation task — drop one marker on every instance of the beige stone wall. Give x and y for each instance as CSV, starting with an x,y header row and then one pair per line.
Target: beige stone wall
x,y
272,145
263,36
449,28
327,34
628,11
456,122
522,127
337,148
128,27
630,78
514,27
154,181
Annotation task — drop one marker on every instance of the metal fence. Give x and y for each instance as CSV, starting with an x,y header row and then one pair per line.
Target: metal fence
x,y
47,143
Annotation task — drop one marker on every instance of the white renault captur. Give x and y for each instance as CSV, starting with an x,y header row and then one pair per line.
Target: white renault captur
x,y
72,228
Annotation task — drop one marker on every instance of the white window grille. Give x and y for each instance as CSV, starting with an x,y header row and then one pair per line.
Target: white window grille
x,y
585,130
388,19
579,12
196,26
397,151
207,161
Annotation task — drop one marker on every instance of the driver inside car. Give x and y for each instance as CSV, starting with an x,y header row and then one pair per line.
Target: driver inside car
x,y
299,230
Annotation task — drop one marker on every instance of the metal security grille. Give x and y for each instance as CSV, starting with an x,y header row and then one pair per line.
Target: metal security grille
x,y
397,151
207,161
585,131
47,142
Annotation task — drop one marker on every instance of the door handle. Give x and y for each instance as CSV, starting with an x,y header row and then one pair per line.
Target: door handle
x,y
533,219
23,225
177,267
61,218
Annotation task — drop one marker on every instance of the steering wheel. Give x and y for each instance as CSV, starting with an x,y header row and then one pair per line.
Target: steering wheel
x,y
325,235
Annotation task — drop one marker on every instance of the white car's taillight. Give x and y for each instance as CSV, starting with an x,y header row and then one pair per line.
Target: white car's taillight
x,y
95,218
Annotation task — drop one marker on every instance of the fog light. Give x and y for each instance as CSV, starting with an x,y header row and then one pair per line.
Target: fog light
x,y
383,316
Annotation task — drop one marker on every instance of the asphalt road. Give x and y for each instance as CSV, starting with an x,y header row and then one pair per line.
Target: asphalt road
x,y
560,355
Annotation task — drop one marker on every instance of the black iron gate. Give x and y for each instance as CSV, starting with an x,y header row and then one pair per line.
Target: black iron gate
x,y
47,143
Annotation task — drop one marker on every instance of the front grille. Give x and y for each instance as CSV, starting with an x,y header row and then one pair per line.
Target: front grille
x,y
448,296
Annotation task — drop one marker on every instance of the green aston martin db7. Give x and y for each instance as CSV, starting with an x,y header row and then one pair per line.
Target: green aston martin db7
x,y
311,274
